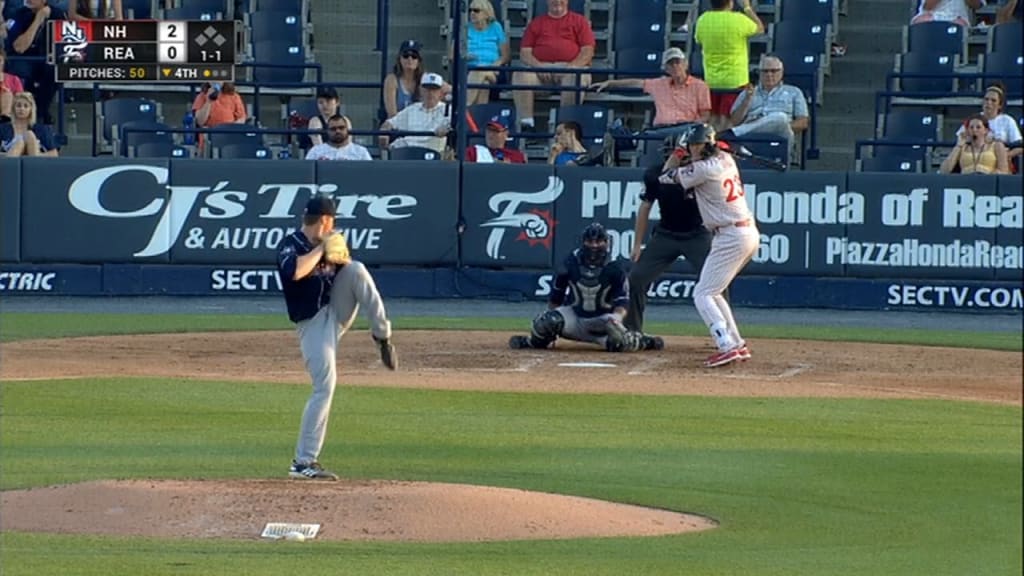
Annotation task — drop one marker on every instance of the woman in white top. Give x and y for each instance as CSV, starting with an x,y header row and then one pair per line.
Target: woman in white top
x,y
1002,127
958,11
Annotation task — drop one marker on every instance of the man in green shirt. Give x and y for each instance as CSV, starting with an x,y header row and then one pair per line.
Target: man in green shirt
x,y
724,38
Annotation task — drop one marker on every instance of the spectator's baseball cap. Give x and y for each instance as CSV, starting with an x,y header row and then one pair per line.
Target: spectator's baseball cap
x,y
410,46
672,54
432,80
320,206
498,123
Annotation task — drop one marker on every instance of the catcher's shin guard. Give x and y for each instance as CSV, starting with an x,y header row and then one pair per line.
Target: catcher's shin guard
x,y
621,340
547,327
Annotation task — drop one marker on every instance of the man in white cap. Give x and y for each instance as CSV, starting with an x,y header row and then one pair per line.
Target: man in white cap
x,y
430,114
678,97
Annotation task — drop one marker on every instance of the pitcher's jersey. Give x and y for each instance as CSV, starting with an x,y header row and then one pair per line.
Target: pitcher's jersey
x,y
306,296
719,190
594,290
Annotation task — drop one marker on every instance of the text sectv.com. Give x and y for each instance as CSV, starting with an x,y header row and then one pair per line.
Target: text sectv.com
x,y
955,296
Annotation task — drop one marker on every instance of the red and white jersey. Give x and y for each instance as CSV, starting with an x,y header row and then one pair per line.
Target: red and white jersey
x,y
718,189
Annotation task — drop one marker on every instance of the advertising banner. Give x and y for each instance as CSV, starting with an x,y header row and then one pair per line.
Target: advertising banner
x,y
795,213
63,279
509,214
1010,211
928,226
610,196
94,210
402,213
10,210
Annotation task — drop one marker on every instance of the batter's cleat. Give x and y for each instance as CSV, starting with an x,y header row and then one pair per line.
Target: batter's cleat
x,y
744,353
519,342
651,343
722,358
312,471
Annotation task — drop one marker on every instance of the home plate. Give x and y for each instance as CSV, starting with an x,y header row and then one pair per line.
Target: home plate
x,y
586,365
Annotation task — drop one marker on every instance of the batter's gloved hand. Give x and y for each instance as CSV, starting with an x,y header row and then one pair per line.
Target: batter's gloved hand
x,y
388,355
336,249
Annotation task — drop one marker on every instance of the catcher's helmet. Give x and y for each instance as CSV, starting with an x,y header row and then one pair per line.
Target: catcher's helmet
x,y
596,245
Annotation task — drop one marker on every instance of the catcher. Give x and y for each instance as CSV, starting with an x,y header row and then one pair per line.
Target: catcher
x,y
323,289
599,296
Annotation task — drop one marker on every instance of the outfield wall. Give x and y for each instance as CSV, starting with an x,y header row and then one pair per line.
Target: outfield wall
x,y
101,226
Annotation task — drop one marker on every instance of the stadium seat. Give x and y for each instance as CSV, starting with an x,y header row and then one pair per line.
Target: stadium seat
x,y
802,36
1006,37
241,151
1007,66
294,6
135,9
235,134
809,11
282,27
935,38
887,163
127,137
940,65
413,153
638,60
638,33
913,124
304,107
288,57
803,70
650,10
765,146
652,153
117,111
593,120
158,150
9,9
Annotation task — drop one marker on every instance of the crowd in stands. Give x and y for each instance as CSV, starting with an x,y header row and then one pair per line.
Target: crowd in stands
x,y
712,76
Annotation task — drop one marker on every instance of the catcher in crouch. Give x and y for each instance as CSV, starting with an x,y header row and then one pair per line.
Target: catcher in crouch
x,y
599,288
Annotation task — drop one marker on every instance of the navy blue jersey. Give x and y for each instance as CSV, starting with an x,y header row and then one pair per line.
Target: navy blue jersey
x,y
679,212
592,290
306,296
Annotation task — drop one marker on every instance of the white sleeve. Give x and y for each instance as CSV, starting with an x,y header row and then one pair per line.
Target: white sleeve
x,y
364,154
693,174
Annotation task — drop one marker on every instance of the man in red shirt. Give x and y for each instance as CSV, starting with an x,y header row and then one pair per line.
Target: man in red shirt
x,y
495,138
558,39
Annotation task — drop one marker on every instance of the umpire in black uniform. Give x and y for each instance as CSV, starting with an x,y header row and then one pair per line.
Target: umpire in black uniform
x,y
680,231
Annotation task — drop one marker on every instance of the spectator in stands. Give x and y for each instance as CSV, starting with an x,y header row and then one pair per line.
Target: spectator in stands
x,y
958,11
430,114
770,108
1002,127
9,86
976,152
495,150
218,104
402,86
568,145
27,38
23,136
339,145
328,102
95,9
1010,11
486,45
724,38
558,39
677,97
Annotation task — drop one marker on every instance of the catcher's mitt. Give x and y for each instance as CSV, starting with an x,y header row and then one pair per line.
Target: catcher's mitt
x,y
388,355
336,249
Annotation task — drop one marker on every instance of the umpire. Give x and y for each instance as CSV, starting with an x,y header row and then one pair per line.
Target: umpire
x,y
680,231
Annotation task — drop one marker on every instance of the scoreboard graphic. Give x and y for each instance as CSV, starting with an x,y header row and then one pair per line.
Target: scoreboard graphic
x,y
143,51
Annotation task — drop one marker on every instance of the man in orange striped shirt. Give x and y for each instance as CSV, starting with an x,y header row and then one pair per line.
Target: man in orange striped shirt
x,y
678,97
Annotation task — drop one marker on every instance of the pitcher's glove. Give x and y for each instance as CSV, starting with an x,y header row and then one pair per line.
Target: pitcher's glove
x,y
388,355
336,249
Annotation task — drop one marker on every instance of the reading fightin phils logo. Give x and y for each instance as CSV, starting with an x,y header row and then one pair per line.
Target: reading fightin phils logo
x,y
535,226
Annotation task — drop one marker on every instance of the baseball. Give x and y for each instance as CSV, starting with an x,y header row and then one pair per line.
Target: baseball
x,y
294,536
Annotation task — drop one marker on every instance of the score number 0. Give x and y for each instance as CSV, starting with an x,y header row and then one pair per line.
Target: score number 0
x,y
171,42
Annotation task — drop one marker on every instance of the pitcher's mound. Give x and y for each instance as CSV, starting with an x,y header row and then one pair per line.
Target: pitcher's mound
x,y
346,510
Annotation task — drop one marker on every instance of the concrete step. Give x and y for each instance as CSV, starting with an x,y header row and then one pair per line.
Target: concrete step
x,y
888,11
834,159
856,68
849,100
836,130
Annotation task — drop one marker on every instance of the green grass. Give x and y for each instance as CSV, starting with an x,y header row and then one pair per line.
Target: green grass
x,y
21,326
802,486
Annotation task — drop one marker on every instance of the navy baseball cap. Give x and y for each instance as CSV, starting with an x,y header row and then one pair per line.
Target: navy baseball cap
x,y
410,46
499,123
320,206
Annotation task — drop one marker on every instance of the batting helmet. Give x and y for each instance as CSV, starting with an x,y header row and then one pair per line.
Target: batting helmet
x,y
596,245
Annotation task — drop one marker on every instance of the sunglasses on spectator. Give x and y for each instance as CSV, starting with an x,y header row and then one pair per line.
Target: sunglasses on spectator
x,y
410,55
474,10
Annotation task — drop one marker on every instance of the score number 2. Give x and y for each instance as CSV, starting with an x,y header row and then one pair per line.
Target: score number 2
x,y
733,188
